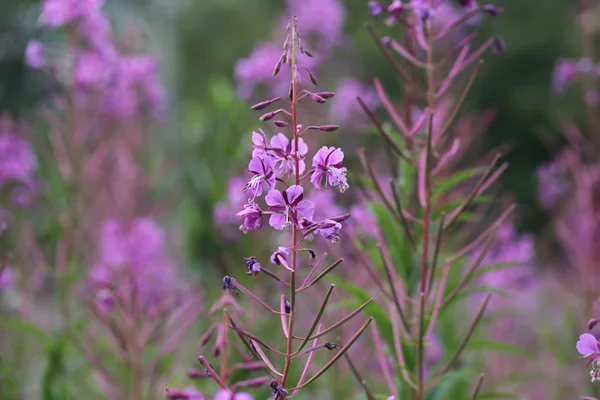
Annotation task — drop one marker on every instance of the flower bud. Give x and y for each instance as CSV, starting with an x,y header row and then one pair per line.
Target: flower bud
x,y
281,124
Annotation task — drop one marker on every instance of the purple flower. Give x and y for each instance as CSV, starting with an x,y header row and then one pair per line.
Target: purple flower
x,y
225,212
284,154
328,164
319,19
17,160
6,278
565,70
252,216
257,69
376,8
252,266
135,253
587,346
344,107
225,394
330,230
281,252
288,206
552,184
35,55
57,13
259,143
264,175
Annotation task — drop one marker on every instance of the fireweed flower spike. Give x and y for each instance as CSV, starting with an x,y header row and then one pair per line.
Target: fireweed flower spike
x,y
587,346
280,161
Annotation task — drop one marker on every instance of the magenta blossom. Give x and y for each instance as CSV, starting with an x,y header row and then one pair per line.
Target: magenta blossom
x,y
283,153
288,206
328,163
35,55
587,346
264,175
330,230
252,216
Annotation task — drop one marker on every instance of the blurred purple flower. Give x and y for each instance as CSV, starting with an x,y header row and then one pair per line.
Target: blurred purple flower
x,y
566,70
225,394
17,160
552,184
256,69
327,163
364,219
57,13
328,206
225,212
35,54
344,107
319,19
135,254
281,252
288,206
252,266
6,278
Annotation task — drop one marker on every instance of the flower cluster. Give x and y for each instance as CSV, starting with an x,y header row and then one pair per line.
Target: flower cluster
x,y
119,85
134,260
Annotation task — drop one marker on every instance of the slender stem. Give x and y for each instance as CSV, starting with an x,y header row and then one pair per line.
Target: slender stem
x,y
427,213
294,101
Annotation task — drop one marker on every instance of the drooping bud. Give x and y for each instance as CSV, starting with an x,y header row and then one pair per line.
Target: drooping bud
x,y
329,128
499,45
313,78
317,98
193,373
592,322
325,95
269,115
492,10
281,124
265,104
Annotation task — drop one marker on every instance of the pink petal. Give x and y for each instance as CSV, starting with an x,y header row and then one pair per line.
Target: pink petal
x,y
293,192
302,147
275,198
336,157
587,345
280,141
305,209
317,178
320,156
277,221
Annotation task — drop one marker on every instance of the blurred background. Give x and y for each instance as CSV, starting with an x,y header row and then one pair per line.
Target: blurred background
x,y
190,136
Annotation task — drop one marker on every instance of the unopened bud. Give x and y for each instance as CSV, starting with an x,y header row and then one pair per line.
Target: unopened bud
x,y
492,10
281,124
193,373
313,78
326,95
264,104
317,98
499,45
269,115
254,383
329,128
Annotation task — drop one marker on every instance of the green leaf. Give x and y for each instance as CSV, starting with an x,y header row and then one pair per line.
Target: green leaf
x,y
445,185
497,395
